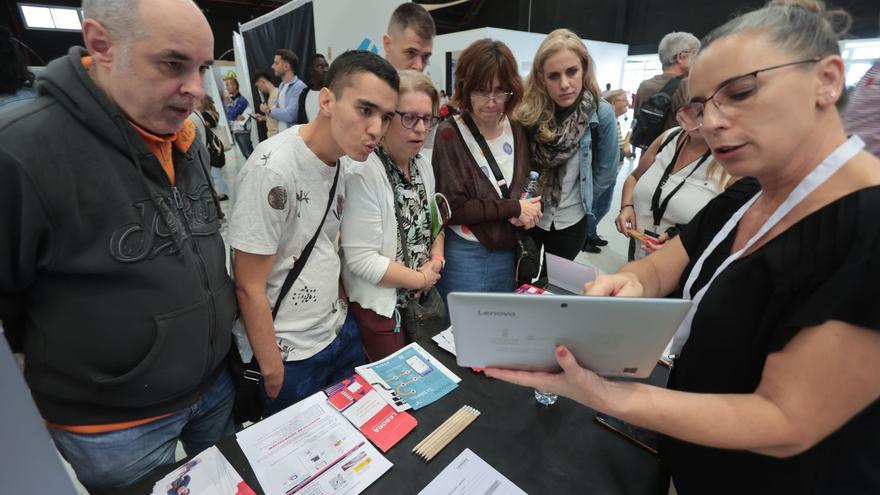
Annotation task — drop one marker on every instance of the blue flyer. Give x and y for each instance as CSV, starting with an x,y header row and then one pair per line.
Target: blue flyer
x,y
413,377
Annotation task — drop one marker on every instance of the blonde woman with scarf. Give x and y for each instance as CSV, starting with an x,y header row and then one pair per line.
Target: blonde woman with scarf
x,y
564,113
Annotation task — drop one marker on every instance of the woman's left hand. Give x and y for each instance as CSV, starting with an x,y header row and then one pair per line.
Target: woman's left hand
x,y
650,247
574,382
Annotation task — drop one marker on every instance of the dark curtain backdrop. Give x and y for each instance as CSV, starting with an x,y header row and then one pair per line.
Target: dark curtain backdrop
x,y
294,30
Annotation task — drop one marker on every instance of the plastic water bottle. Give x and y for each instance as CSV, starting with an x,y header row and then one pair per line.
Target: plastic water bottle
x,y
545,398
531,189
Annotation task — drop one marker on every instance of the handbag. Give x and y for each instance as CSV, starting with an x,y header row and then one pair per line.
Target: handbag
x,y
247,376
526,252
215,149
422,315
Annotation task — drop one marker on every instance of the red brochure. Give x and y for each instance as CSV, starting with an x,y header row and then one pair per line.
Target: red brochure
x,y
369,412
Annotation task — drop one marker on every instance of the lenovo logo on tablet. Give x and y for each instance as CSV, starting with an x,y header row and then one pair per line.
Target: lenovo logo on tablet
x,y
496,313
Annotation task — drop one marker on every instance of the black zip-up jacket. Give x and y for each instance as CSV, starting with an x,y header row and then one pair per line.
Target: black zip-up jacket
x,y
114,279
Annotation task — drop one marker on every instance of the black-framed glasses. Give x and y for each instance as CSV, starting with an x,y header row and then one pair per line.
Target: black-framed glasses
x,y
499,96
731,96
411,119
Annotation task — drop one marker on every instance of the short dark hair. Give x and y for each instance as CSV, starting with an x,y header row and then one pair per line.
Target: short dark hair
x,y
315,57
14,73
289,57
261,74
355,62
413,15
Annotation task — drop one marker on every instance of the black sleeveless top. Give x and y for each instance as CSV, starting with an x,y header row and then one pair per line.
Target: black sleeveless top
x,y
822,268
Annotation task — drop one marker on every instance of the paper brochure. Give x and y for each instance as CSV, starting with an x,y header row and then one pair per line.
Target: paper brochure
x,y
309,448
369,412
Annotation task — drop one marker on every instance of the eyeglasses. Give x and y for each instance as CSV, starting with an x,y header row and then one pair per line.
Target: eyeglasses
x,y
411,119
485,96
731,98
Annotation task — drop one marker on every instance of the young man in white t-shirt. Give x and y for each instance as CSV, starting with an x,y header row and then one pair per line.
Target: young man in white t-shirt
x,y
283,193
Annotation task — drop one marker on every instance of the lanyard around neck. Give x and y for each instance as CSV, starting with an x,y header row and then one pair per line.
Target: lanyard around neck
x,y
831,164
658,208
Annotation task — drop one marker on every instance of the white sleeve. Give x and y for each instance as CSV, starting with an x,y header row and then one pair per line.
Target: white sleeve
x,y
262,206
362,230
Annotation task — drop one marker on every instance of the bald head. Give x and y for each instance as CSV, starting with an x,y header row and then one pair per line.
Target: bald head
x,y
181,19
128,20
150,57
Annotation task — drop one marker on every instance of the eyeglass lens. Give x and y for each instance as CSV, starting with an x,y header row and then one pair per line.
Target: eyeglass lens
x,y
499,97
728,97
410,120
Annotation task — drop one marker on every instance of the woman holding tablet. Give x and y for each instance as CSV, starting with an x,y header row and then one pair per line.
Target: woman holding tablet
x,y
776,387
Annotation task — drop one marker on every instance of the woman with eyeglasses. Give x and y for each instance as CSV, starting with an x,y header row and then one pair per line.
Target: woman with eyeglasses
x,y
381,275
483,189
574,132
675,179
776,387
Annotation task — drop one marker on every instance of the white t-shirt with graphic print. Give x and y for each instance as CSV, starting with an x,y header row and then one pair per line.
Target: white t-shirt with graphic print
x,y
281,197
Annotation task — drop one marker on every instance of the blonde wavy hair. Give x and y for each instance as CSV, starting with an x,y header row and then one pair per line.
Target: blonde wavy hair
x,y
537,108
412,81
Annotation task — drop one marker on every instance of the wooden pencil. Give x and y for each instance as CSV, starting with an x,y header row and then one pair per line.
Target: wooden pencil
x,y
449,437
440,429
445,433
445,429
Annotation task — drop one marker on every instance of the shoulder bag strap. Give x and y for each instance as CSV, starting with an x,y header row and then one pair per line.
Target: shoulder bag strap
x,y
671,86
304,256
490,158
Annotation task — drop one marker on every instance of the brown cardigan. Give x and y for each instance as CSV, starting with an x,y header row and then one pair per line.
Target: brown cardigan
x,y
471,194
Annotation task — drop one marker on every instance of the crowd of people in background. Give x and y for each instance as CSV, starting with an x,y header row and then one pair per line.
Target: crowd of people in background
x,y
372,191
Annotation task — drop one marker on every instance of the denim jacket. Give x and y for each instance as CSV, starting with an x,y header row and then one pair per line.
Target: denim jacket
x,y
595,180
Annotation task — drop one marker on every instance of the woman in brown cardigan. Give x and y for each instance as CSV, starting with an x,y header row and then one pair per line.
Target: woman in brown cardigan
x,y
480,237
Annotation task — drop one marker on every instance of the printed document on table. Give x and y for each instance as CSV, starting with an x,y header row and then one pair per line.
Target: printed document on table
x,y
369,412
208,473
310,449
411,377
445,340
468,474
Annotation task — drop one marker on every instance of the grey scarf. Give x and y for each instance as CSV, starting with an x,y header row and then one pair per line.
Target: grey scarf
x,y
552,155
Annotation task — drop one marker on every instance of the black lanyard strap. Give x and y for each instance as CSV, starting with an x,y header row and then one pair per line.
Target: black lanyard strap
x,y
658,208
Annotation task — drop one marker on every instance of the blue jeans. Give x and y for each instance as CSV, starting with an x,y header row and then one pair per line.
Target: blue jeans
x,y
114,460
219,181
601,205
471,267
245,145
304,378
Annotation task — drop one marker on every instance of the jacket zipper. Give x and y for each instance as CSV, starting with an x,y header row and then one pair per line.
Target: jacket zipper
x,y
175,193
